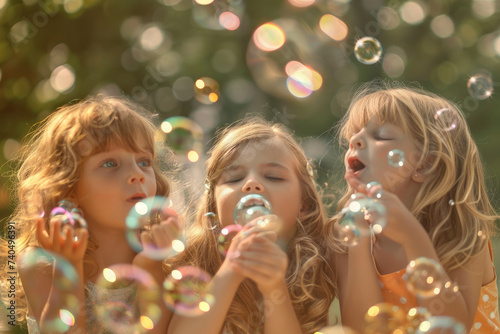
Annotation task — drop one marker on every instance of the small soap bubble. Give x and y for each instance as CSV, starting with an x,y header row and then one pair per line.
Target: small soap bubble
x,y
368,50
424,277
310,169
440,325
416,316
349,234
206,90
226,235
372,184
396,158
447,119
480,86
181,134
451,202
213,220
187,291
70,217
142,218
251,207
120,316
384,318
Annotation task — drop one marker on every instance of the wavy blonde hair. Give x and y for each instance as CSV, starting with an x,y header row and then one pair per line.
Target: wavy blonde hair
x,y
450,160
49,164
309,273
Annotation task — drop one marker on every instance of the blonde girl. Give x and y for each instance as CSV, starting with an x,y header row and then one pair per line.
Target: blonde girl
x,y
258,287
436,205
101,154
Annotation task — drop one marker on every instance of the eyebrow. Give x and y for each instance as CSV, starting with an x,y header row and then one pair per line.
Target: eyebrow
x,y
269,164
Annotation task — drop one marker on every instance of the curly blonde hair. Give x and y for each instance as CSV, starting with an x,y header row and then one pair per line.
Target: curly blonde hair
x,y
49,164
450,159
309,273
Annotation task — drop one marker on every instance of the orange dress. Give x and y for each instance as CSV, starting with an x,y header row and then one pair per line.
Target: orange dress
x,y
487,319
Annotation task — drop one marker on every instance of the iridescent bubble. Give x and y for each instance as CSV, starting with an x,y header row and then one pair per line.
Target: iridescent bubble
x,y
396,158
122,317
213,220
269,37
451,202
206,90
187,292
447,119
372,184
424,277
69,216
251,207
368,50
441,325
148,216
65,279
182,134
384,318
480,86
349,234
416,316
226,235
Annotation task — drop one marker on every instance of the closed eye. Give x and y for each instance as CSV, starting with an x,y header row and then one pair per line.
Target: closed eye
x,y
274,178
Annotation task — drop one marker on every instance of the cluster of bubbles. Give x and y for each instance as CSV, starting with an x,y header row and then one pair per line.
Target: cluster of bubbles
x,y
387,318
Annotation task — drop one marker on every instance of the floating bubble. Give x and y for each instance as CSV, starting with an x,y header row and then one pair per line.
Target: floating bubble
x,y
251,207
226,235
213,220
396,158
441,325
69,216
372,184
480,86
124,317
384,318
368,50
65,279
355,219
206,90
447,119
182,134
416,316
187,291
424,277
148,216
451,202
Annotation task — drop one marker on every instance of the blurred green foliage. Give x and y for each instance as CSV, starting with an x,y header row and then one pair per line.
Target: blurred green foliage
x,y
101,46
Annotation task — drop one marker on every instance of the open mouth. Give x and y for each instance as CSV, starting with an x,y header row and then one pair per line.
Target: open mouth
x,y
254,202
355,164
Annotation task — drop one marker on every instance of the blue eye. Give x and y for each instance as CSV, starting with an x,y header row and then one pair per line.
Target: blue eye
x,y
145,163
109,164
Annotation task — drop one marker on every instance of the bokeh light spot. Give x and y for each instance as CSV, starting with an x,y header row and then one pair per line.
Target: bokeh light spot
x,y
269,37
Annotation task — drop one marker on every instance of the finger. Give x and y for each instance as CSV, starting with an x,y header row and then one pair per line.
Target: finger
x,y
257,271
55,235
146,240
67,246
81,244
355,183
41,234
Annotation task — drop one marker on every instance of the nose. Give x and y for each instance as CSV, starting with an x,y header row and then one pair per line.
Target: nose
x,y
136,176
252,185
357,141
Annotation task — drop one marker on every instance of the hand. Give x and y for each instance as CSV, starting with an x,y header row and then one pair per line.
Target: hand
x,y
63,242
399,219
261,260
157,241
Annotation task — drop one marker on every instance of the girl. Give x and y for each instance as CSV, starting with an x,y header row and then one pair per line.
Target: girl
x,y
101,154
258,287
436,207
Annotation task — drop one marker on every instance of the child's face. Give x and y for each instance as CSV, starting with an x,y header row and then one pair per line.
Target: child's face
x,y
368,159
111,183
266,168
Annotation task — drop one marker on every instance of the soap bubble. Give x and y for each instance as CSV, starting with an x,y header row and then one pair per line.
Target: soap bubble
x,y
480,86
368,50
69,216
147,215
396,158
225,237
120,316
384,318
441,325
424,277
187,291
251,207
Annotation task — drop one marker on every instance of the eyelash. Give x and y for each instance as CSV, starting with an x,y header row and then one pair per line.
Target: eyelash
x,y
271,178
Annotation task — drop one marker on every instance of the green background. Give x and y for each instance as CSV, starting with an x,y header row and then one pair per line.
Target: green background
x,y
99,41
